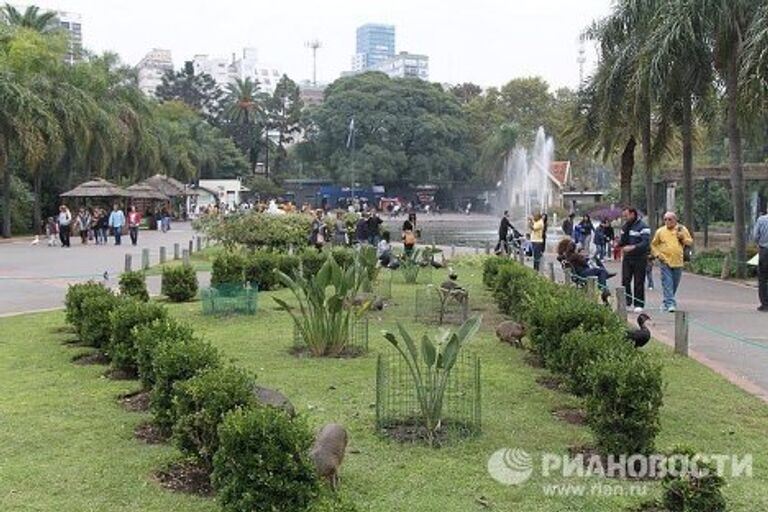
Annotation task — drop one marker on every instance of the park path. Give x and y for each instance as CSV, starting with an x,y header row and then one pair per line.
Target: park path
x,y
36,277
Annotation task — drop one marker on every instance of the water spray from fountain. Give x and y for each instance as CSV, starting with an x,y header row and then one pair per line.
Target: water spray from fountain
x,y
525,185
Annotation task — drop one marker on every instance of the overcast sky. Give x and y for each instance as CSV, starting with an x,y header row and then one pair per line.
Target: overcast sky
x,y
487,41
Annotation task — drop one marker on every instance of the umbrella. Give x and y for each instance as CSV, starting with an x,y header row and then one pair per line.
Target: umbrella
x,y
98,187
144,191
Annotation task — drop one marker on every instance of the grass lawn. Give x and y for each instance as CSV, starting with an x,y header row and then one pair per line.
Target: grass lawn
x,y
67,445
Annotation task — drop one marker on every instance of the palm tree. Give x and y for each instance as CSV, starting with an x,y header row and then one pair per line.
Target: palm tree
x,y
755,68
495,151
243,109
31,18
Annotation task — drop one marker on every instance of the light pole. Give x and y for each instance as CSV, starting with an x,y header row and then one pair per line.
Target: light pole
x,y
351,147
314,45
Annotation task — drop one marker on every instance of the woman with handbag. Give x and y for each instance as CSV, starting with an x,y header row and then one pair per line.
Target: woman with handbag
x,y
670,245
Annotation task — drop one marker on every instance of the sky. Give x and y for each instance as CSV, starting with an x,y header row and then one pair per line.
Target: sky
x,y
487,42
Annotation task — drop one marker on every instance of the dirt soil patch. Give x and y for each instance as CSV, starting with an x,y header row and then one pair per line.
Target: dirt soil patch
x,y
550,382
347,353
410,432
91,358
571,415
150,434
137,401
121,375
187,477
533,360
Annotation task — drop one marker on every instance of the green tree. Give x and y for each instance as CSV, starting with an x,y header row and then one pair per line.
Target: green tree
x,y
199,91
526,102
31,18
245,118
284,114
466,92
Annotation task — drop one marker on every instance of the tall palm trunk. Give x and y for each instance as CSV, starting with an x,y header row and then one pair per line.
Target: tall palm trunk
x,y
687,132
627,169
645,135
734,161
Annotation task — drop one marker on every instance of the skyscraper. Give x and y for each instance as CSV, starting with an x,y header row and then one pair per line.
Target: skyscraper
x,y
375,44
151,68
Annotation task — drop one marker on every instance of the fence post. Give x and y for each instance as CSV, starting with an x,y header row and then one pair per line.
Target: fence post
x,y
551,271
191,246
162,255
185,256
207,242
144,259
521,255
725,271
568,281
176,251
591,287
128,262
453,251
487,247
621,303
199,244
681,333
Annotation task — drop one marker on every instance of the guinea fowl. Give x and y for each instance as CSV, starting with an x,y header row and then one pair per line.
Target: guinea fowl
x,y
640,337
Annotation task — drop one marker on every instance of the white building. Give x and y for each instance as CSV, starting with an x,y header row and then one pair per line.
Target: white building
x,y
225,71
72,22
221,192
405,65
151,68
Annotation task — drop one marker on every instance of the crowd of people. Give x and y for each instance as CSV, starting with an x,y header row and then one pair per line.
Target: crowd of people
x,y
97,224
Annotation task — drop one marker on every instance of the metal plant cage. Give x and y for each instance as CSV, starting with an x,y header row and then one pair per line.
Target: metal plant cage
x,y
229,299
358,336
433,304
397,403
382,286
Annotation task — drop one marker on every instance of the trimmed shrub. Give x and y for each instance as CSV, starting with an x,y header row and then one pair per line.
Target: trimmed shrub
x,y
95,325
623,406
228,268
491,267
263,462
133,285
519,290
256,230
173,362
148,337
260,269
581,349
199,406
76,294
128,314
179,284
311,261
688,487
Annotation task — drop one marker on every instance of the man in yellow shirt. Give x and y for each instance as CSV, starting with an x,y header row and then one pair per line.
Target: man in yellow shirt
x,y
536,223
668,247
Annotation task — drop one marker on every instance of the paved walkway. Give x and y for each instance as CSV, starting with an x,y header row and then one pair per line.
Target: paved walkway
x,y
37,277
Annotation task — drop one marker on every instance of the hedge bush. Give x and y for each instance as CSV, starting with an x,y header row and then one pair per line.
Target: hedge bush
x,y
95,325
491,267
256,230
179,284
199,406
133,285
76,294
623,405
128,314
148,337
581,348
263,462
173,362
689,489
519,291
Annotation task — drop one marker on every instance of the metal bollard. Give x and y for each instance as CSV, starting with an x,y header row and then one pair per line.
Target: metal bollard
x,y
568,281
681,333
487,247
551,266
145,259
621,303
453,251
591,287
191,246
199,244
128,262
176,251
521,255
162,255
185,256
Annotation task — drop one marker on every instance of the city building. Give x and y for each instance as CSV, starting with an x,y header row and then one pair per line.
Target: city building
x,y
405,65
73,23
226,71
311,94
151,68
375,44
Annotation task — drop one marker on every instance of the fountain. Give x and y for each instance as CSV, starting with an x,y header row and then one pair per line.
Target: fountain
x,y
525,186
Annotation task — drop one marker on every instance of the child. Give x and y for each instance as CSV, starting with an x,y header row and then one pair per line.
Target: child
x,y
52,232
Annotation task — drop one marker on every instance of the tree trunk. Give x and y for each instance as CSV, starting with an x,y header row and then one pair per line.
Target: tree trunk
x,y
734,162
650,203
38,208
627,168
6,201
687,131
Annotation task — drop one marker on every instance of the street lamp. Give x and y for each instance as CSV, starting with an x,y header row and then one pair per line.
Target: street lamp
x,y
351,147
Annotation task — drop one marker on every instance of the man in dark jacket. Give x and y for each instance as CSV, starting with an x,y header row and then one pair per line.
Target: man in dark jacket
x,y
635,243
504,227
568,225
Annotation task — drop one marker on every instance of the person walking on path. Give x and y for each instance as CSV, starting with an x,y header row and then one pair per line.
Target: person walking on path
x,y
374,228
668,246
340,230
587,230
635,243
65,221
537,239
84,224
504,227
760,236
318,236
568,225
361,229
134,220
116,222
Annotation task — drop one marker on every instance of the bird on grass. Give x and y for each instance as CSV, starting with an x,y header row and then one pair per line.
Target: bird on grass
x,y
640,337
